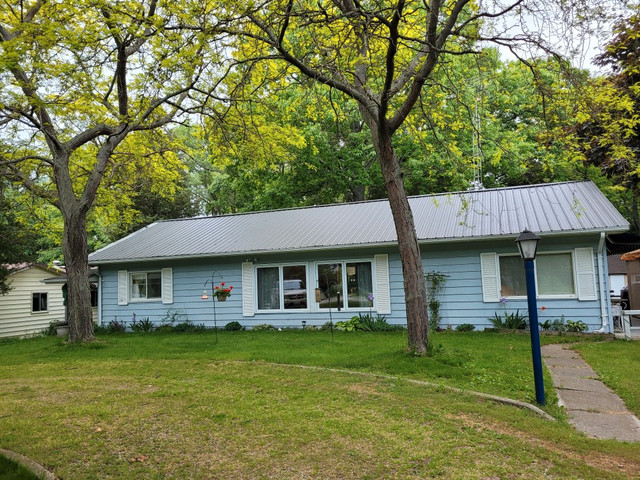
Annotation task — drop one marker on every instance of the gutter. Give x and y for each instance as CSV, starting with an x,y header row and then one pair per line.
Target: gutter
x,y
604,297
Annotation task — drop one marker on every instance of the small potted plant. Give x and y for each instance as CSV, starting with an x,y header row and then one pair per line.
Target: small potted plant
x,y
222,291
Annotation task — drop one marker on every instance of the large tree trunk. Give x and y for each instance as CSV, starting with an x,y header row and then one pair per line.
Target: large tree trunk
x,y
74,248
415,289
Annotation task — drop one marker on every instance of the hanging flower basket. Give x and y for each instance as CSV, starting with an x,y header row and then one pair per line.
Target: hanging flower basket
x,y
222,292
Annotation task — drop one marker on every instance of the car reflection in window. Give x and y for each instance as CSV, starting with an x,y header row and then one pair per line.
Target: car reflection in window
x,y
295,294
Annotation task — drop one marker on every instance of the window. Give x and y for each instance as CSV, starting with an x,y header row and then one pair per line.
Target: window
x,y
288,288
146,286
282,287
512,281
94,296
554,275
345,280
39,302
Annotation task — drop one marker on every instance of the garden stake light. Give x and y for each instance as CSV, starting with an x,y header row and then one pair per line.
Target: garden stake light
x,y
528,244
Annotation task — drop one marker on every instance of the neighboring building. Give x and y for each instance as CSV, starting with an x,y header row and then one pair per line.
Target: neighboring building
x,y
61,282
288,266
617,275
31,305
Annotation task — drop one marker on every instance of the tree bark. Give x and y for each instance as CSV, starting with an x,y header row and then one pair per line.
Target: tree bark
x,y
415,289
76,255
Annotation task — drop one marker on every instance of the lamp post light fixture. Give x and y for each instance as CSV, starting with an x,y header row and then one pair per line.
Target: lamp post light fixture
x,y
213,298
528,244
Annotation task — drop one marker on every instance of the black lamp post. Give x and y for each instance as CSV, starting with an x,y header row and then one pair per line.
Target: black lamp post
x,y
528,244
213,299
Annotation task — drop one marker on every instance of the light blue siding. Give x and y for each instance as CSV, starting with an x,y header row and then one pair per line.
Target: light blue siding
x,y
462,300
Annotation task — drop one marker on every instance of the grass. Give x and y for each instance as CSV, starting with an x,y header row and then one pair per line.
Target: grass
x,y
9,470
183,406
618,364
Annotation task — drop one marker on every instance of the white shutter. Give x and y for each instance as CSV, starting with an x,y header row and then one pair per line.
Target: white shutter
x,y
123,287
383,293
248,296
585,273
490,277
167,285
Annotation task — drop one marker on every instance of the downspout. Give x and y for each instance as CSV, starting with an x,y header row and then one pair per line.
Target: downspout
x,y
604,297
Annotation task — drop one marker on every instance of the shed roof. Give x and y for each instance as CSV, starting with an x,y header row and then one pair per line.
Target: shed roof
x,y
560,208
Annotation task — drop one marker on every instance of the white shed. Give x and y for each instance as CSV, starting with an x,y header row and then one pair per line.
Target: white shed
x,y
31,305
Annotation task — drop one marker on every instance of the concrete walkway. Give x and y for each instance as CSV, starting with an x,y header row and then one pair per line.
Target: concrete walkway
x,y
591,407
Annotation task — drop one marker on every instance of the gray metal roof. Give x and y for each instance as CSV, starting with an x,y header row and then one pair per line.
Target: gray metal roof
x,y
560,208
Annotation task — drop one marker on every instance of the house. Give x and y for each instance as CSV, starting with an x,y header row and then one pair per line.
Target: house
x,y
60,281
31,305
303,264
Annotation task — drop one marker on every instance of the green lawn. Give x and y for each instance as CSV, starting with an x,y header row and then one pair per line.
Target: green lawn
x,y
183,406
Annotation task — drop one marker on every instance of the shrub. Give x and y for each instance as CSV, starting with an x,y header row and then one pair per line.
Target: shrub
x,y
50,331
352,325
114,326
556,325
465,327
233,327
263,327
188,327
327,325
512,321
577,326
141,326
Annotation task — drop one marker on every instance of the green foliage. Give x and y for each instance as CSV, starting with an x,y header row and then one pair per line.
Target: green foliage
x,y
144,325
188,327
512,321
555,325
233,326
351,325
51,330
577,326
435,287
10,470
263,327
369,323
465,327
365,323
114,326
173,316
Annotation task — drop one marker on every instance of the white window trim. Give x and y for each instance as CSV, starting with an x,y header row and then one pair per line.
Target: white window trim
x,y
345,308
144,300
38,312
280,267
569,296
166,286
582,280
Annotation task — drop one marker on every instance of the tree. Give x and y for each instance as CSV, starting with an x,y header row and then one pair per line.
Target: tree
x,y
18,242
608,132
381,54
78,78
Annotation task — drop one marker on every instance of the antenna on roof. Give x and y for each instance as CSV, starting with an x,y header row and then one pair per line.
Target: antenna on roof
x,y
476,184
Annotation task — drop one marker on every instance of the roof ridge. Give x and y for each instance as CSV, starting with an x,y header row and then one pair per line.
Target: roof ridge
x,y
360,202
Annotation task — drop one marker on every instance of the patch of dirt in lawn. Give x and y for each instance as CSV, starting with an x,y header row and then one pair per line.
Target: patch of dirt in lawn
x,y
602,461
